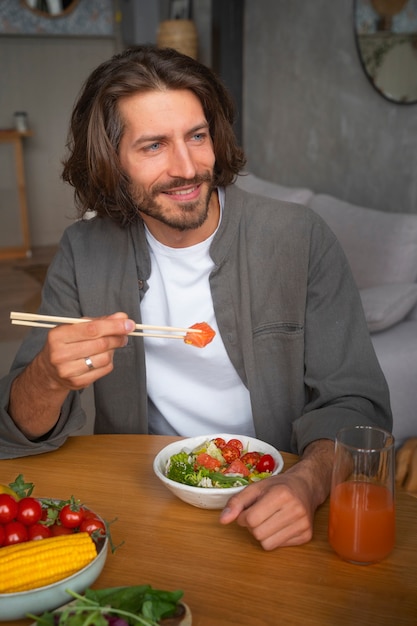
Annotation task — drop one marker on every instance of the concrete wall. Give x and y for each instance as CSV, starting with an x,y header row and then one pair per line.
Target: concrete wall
x,y
312,118
43,75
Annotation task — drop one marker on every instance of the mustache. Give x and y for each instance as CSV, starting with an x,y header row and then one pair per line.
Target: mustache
x,y
174,183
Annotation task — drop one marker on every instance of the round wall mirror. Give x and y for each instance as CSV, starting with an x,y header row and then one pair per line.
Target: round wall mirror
x,y
50,8
386,38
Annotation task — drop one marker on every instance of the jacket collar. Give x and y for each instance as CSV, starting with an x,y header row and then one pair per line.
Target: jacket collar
x,y
227,231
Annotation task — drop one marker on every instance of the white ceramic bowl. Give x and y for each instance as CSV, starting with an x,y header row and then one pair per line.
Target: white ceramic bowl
x,y
15,606
208,498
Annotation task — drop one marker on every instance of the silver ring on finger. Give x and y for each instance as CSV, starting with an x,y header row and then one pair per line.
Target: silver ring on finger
x,y
89,363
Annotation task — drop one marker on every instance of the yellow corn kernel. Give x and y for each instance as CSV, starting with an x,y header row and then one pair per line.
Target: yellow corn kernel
x,y
33,564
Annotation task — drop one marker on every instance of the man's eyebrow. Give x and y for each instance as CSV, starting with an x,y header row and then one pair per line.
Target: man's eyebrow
x,y
148,139
203,126
158,138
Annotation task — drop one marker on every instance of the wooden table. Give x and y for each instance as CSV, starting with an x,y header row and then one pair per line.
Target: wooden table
x,y
227,578
15,138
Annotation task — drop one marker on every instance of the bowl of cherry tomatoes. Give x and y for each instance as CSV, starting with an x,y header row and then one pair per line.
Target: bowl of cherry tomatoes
x,y
207,470
29,520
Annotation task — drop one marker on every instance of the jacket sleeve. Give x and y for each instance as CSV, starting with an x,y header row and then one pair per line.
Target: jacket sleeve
x,y
13,442
57,299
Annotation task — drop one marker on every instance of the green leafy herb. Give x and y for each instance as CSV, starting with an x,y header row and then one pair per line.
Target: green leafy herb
x,y
22,488
139,604
153,603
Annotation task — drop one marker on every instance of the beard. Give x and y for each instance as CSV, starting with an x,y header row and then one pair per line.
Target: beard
x,y
179,215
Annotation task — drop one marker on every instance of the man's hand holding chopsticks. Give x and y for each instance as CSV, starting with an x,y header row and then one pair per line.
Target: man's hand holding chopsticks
x,y
73,357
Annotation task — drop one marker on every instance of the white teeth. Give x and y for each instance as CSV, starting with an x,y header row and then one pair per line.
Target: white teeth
x,y
183,192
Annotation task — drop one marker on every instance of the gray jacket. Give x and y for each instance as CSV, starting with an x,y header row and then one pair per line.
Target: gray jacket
x,y
287,308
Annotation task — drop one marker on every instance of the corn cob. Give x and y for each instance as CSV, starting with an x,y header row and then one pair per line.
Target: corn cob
x,y
33,564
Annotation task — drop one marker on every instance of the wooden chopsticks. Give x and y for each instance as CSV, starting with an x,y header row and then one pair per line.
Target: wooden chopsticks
x,y
50,321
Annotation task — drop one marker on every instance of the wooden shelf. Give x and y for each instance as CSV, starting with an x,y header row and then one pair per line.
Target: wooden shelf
x,y
15,138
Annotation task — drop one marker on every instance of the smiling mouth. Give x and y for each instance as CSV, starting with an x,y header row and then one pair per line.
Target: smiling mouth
x,y
181,189
182,192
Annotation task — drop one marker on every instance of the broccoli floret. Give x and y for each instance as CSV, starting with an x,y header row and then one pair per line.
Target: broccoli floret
x,y
181,469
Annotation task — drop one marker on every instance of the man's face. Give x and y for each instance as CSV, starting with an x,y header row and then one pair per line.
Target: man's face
x,y
167,152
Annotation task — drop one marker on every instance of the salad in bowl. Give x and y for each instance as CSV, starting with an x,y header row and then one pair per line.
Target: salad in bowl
x,y
207,470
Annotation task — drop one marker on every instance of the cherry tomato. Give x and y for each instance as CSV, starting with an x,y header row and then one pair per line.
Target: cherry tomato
x,y
92,525
237,443
237,467
15,532
250,459
71,516
38,531
58,529
88,514
205,460
219,442
29,511
8,508
2,535
265,464
230,453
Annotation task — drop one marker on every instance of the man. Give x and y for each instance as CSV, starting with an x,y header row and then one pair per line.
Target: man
x,y
174,242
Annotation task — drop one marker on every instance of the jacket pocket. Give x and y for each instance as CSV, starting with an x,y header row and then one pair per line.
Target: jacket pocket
x,y
280,328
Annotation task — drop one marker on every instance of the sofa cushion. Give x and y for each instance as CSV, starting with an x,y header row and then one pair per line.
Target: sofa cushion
x,y
381,247
387,305
396,350
250,182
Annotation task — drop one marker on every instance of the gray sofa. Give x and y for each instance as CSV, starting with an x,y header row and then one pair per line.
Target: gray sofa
x,y
381,248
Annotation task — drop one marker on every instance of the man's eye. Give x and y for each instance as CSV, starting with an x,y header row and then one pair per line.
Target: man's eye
x,y
153,147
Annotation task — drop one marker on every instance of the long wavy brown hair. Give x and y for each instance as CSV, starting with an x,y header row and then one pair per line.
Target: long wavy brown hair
x,y
92,166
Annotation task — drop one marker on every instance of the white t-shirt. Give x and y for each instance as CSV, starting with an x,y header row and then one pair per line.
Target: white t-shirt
x,y
191,391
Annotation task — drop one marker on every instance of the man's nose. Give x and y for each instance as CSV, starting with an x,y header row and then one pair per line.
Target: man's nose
x,y
182,163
